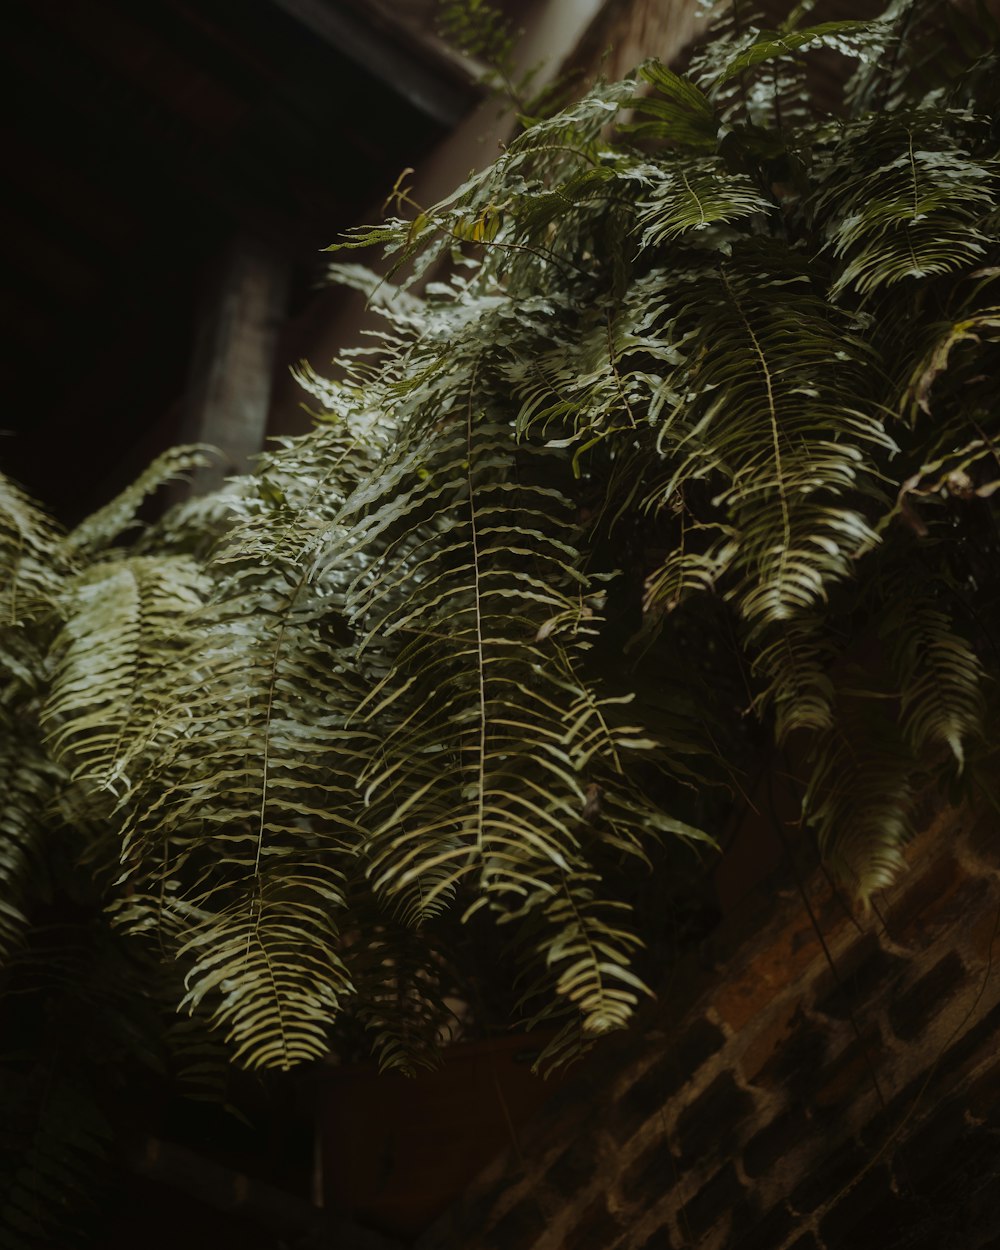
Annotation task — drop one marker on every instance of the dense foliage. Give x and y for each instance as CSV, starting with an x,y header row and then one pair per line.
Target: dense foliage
x,y
686,467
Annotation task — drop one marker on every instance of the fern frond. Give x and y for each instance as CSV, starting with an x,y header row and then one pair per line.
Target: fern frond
x,y
941,679
773,416
241,822
860,795
100,530
770,45
910,207
691,195
123,618
680,112
29,565
29,778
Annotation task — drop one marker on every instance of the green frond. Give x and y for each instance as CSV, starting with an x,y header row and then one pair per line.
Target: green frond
x,y
860,796
771,45
100,530
795,660
268,961
30,570
690,195
959,357
405,995
771,414
678,111
122,621
900,200
29,778
241,819
941,679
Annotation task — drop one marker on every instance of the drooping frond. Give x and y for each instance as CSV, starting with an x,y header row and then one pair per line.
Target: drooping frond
x,y
124,620
100,530
243,816
941,679
29,566
471,619
31,575
28,778
860,796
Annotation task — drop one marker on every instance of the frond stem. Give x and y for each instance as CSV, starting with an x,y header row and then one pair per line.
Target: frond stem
x,y
773,415
481,667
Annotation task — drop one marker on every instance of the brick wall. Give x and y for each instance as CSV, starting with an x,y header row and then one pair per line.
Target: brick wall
x,y
770,1102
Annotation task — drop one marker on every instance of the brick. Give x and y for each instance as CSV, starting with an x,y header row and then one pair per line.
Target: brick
x,y
652,1174
666,1077
865,976
937,1083
712,1118
693,1048
852,1074
773,1141
851,1211
714,1200
795,1065
763,1232
922,1152
645,1098
943,898
659,1239
911,1012
760,1042
984,841
980,1042
521,1226
749,992
827,1176
571,1170
596,1229
983,1096
918,891
982,936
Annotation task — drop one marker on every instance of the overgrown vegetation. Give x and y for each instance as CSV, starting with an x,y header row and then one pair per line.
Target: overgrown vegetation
x,y
686,468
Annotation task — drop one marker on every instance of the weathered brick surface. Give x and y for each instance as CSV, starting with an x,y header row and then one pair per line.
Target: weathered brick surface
x,y
770,1144
658,1239
756,1232
713,1202
596,1229
653,1172
776,1103
723,1102
911,1012
571,1170
866,974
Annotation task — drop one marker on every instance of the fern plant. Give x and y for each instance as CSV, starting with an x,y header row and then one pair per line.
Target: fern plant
x,y
689,460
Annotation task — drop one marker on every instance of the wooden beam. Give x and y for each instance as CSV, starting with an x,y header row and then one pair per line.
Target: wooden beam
x,y
418,84
229,386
